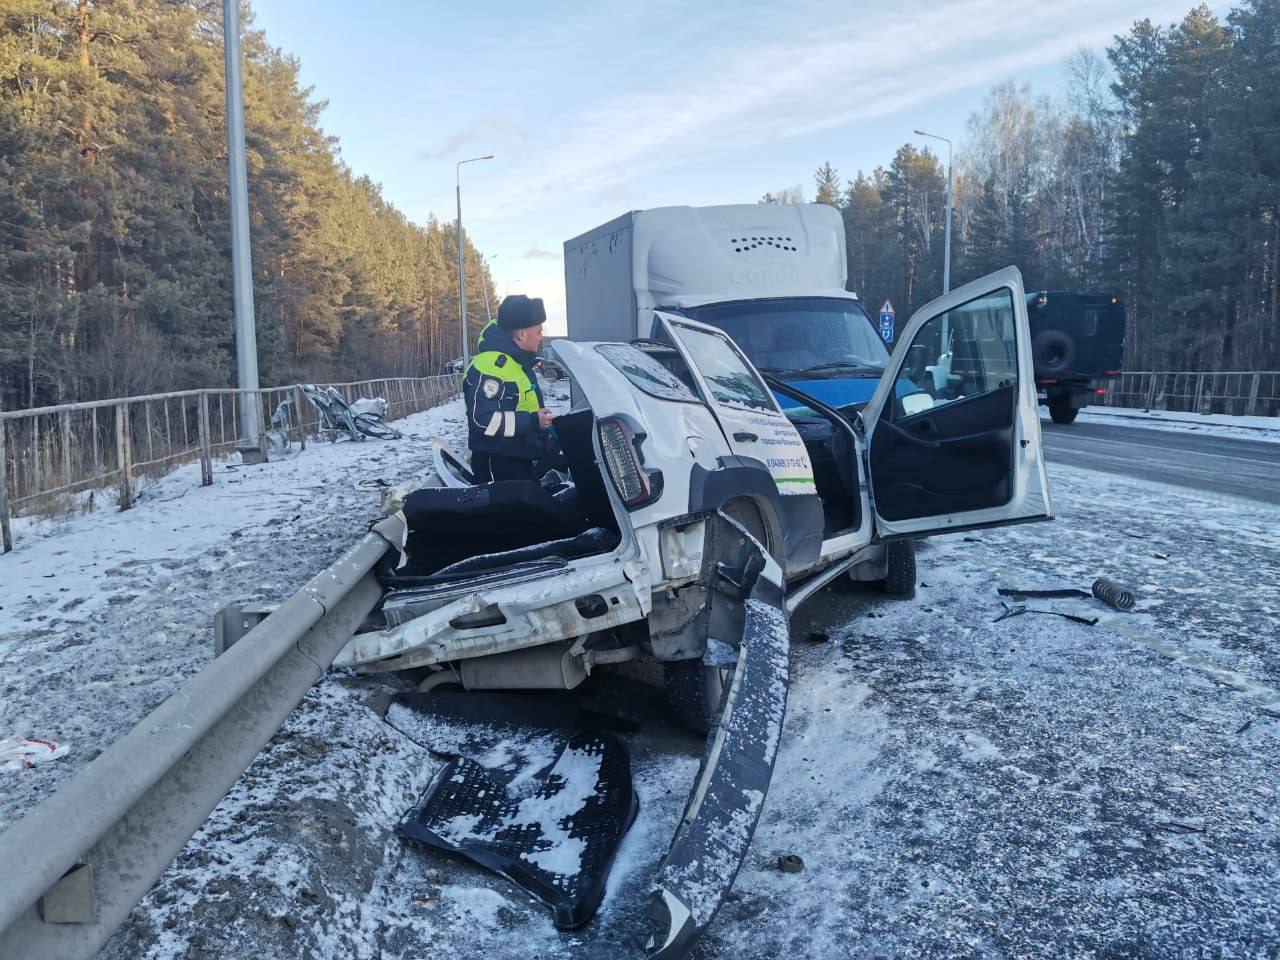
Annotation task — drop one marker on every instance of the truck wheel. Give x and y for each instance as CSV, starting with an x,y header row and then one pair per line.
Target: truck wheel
x,y
901,578
1062,410
694,691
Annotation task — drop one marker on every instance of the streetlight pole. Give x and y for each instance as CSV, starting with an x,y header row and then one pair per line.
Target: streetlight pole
x,y
946,251
250,442
462,271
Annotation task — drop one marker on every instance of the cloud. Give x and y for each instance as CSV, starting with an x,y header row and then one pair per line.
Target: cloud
x,y
536,253
486,130
788,79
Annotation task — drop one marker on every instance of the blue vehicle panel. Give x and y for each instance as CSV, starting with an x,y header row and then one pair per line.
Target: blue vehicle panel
x,y
841,393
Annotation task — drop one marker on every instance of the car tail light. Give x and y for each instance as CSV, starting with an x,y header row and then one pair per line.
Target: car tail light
x,y
1111,373
1100,392
620,446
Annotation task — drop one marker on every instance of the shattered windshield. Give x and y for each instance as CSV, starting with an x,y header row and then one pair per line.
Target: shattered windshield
x,y
645,372
823,337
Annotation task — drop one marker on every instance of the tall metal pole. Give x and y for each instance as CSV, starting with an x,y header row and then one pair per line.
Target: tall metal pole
x,y
462,277
462,270
241,264
946,244
946,255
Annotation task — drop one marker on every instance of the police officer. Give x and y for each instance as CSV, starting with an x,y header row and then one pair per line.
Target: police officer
x,y
508,425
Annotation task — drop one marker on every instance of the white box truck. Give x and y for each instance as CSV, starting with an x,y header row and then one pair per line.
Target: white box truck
x,y
772,276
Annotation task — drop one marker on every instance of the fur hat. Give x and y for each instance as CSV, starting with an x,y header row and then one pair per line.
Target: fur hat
x,y
518,311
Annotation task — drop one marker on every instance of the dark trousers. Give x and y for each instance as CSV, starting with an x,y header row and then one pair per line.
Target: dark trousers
x,y
487,468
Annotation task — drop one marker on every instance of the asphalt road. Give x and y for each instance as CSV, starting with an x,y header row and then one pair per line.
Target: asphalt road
x,y
1236,466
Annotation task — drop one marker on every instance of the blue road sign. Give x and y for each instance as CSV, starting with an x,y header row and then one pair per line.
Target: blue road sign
x,y
886,321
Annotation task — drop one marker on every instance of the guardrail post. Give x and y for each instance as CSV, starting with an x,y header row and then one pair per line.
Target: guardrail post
x,y
6,535
1253,394
1151,393
302,415
206,452
124,455
66,447
37,461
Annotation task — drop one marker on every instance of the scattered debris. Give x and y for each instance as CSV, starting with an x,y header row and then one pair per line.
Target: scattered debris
x,y
790,863
1019,594
1244,726
1173,826
357,420
1113,594
17,753
1010,612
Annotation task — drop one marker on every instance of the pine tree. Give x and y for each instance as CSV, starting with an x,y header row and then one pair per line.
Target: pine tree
x,y
826,183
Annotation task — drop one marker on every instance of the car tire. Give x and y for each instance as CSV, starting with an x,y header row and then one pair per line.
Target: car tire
x,y
1062,410
695,689
900,580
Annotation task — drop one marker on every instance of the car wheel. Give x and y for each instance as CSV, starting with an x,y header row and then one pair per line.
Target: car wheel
x,y
1062,410
695,689
900,580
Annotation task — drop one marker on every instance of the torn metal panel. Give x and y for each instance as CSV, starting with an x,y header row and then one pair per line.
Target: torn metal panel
x,y
728,794
534,612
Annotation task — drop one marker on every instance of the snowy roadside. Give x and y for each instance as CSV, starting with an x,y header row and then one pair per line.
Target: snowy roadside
x,y
104,615
956,787
1215,424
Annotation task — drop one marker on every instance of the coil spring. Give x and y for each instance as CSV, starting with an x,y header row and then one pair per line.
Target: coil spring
x,y
1113,594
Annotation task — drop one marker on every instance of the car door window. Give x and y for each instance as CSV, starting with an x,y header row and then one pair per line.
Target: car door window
x,y
966,352
727,375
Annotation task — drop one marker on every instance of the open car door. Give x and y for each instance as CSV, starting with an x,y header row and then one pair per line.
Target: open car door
x,y
753,423
953,430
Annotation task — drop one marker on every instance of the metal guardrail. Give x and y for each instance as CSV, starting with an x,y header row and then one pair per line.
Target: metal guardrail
x,y
1237,393
48,454
77,864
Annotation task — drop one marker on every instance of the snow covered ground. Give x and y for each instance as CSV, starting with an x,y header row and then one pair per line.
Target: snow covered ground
x,y
956,787
1214,424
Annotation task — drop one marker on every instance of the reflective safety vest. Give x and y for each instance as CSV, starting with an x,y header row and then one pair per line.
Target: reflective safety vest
x,y
487,364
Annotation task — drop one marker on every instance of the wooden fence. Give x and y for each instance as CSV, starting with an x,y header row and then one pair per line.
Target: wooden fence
x,y
50,453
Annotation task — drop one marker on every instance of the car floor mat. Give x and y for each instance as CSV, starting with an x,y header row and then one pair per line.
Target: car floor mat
x,y
552,828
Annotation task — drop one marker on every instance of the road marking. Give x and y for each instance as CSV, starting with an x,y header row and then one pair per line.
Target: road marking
x,y
1193,453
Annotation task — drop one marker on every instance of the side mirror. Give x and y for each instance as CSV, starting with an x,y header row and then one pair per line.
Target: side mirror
x,y
917,361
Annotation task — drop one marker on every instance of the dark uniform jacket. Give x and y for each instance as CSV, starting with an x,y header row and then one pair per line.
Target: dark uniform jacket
x,y
503,399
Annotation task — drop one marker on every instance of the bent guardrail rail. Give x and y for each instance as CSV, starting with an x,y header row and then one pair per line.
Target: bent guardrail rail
x,y
93,849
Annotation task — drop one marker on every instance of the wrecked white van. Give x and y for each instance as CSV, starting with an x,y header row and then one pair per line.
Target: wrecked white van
x,y
694,515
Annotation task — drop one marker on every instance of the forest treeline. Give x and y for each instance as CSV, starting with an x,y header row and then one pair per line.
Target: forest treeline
x,y
1156,175
115,274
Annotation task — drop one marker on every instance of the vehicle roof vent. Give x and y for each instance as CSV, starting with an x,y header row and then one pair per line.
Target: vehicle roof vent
x,y
748,242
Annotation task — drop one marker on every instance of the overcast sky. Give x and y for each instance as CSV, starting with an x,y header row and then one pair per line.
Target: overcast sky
x,y
595,109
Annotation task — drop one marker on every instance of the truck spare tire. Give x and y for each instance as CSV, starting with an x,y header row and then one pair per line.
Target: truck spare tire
x,y
1054,353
